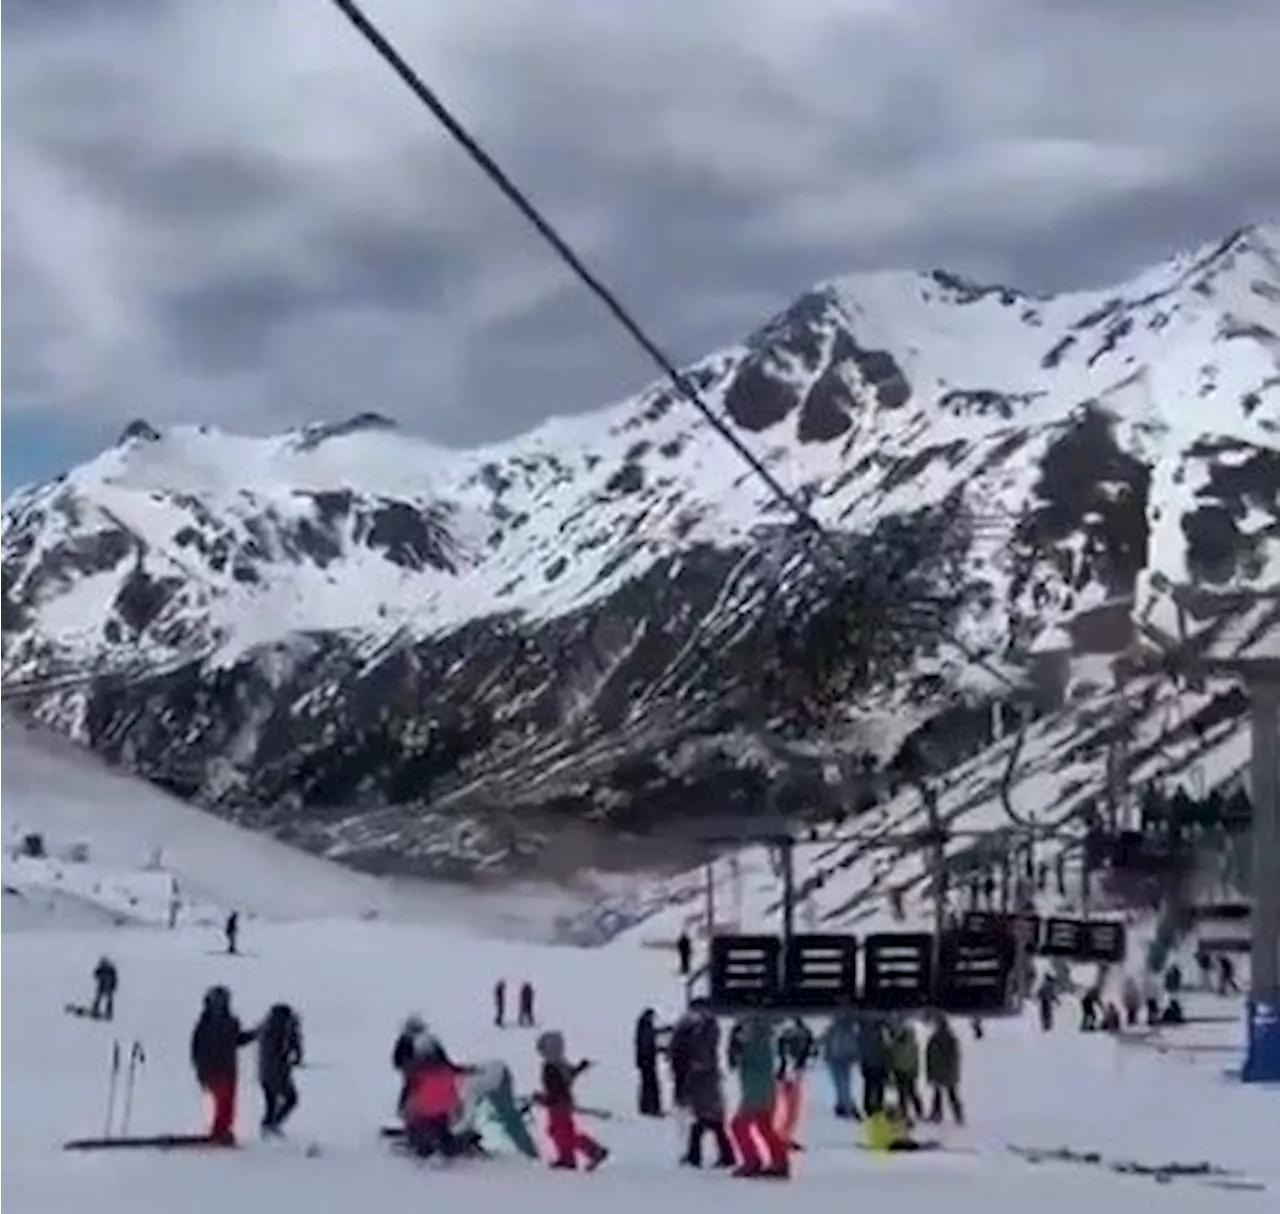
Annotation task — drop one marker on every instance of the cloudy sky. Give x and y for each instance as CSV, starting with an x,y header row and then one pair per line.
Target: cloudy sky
x,y
229,211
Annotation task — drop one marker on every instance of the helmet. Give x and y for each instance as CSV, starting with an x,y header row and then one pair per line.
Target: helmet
x,y
414,1024
217,999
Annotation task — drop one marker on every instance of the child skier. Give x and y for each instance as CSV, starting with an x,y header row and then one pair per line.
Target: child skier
x,y
556,1096
433,1101
279,1052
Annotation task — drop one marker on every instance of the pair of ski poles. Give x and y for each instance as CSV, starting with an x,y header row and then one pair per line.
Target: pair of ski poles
x,y
136,1059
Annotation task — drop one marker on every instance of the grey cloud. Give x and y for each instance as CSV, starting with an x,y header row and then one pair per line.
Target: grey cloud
x,y
229,212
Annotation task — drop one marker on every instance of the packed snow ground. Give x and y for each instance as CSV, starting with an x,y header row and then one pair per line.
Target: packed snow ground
x,y
354,981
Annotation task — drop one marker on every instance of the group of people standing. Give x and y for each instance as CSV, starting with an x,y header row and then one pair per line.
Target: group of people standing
x,y
216,1042
770,1063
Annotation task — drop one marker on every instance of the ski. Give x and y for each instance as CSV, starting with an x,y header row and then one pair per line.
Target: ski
x,y
1205,1174
162,1142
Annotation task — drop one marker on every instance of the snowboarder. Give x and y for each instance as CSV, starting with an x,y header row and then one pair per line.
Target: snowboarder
x,y
524,1013
905,1065
684,948
646,1043
695,1057
556,1096
217,1037
840,1053
500,1003
105,980
279,1052
875,1064
756,1066
942,1070
231,930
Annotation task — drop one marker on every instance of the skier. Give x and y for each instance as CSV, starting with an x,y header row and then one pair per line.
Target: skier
x,y
875,1062
500,1003
942,1070
904,1053
231,930
1227,976
646,1043
1046,1001
840,1053
695,1054
524,1014
279,1051
756,1065
1090,1002
1151,996
214,1041
1173,981
105,980
1205,964
1131,999
795,1049
402,1052
684,947
556,1096
433,1100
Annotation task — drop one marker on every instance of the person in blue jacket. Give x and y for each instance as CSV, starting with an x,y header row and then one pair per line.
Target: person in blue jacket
x,y
840,1053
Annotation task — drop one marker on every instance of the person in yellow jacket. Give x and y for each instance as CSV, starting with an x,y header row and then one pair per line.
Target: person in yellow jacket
x,y
886,1130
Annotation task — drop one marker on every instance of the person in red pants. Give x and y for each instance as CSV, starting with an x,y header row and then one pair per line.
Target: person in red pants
x,y
558,1076
755,1058
215,1043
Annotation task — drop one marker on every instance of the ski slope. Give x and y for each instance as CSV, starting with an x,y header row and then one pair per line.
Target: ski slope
x,y
354,981
65,793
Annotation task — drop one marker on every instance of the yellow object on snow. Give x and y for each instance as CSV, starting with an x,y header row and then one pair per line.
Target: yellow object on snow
x,y
883,1131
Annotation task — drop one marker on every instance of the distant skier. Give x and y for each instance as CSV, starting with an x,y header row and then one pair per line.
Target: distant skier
x,y
1090,1006
1131,999
231,930
1046,1001
874,1061
904,1053
840,1053
1227,976
1151,996
279,1052
524,1012
646,1053
942,1070
105,980
500,1003
684,950
217,1037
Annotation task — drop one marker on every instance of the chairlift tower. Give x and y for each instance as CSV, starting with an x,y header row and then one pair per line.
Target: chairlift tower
x,y
1242,642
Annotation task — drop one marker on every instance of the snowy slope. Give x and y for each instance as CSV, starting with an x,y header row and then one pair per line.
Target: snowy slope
x,y
348,616
354,982
60,791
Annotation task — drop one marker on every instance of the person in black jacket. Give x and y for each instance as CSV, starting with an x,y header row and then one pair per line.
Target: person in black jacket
x,y
279,1051
215,1041
105,980
647,1064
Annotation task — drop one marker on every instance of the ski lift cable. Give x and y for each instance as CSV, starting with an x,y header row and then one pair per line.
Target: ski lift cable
x,y
685,387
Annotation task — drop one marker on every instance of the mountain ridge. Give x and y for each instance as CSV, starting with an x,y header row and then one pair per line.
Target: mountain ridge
x,y
617,588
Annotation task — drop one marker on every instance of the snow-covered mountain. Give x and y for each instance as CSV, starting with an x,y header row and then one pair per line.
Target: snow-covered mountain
x,y
326,630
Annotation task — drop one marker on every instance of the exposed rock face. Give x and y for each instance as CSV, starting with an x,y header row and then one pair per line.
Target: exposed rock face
x,y
419,658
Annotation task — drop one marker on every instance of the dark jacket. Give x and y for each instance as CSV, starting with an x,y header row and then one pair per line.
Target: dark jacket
x,y
106,977
704,1092
874,1048
217,1037
557,1083
279,1045
646,1041
942,1058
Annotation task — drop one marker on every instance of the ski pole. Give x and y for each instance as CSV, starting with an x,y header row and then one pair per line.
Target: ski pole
x,y
136,1059
111,1088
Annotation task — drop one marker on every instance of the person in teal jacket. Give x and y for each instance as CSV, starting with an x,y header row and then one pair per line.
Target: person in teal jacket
x,y
756,1061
